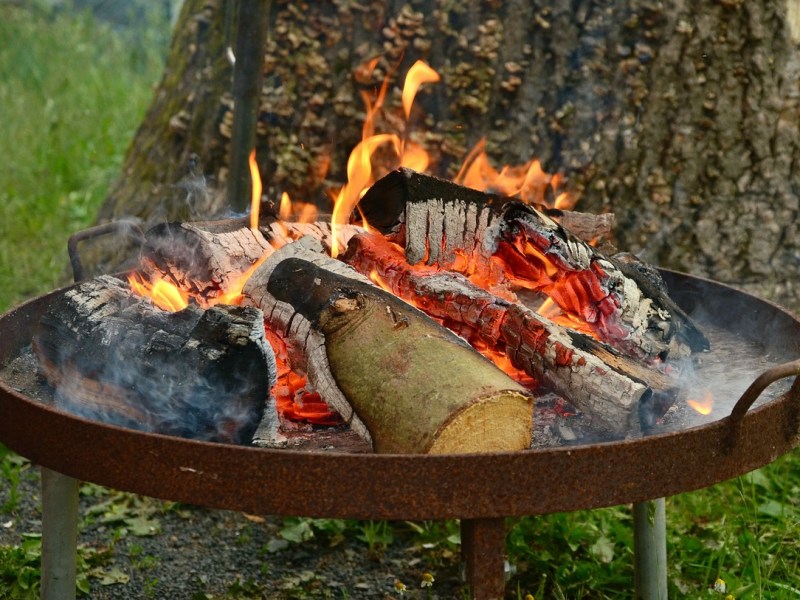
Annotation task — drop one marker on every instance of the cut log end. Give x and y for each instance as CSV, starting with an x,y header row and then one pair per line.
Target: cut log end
x,y
500,422
406,379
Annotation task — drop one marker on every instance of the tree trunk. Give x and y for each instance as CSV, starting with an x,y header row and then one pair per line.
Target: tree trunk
x,y
681,118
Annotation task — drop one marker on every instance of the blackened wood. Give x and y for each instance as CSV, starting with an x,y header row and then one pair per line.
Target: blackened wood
x,y
402,380
203,258
612,389
115,357
434,219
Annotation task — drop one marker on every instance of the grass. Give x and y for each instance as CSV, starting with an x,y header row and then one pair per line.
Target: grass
x,y
72,94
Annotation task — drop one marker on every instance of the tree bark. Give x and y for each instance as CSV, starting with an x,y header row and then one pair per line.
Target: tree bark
x,y
679,117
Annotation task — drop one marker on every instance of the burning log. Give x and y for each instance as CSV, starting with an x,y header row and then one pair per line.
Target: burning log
x,y
400,379
115,357
615,391
443,224
203,258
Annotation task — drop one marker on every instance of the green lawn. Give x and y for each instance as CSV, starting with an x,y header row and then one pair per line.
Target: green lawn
x,y
72,94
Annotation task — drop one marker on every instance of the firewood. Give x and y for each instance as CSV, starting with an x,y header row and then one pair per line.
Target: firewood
x,y
612,389
203,258
115,357
403,381
440,222
588,227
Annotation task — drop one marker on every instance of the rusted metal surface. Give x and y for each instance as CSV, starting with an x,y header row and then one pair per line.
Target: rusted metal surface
x,y
121,227
482,550
484,486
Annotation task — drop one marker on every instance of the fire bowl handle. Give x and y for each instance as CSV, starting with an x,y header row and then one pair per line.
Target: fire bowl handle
x,y
126,227
761,383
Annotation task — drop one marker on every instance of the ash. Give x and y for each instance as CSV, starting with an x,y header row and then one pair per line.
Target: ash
x,y
21,375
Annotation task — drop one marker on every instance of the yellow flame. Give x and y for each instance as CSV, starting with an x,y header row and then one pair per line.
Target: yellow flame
x,y
285,210
549,309
379,281
359,178
704,406
360,172
255,199
418,74
233,294
164,294
414,156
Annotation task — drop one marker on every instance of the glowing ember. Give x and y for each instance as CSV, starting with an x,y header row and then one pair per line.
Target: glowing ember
x,y
704,406
292,397
255,200
164,294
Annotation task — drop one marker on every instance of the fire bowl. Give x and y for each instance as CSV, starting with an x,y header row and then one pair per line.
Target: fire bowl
x,y
418,487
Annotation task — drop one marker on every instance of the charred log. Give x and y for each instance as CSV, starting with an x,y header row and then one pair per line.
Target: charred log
x,y
402,380
203,258
612,389
115,357
440,222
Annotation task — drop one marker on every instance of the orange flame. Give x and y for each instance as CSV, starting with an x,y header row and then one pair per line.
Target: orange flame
x,y
704,406
233,294
418,74
360,171
285,210
527,181
255,199
164,294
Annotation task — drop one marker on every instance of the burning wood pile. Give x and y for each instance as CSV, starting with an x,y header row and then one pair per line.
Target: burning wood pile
x,y
428,322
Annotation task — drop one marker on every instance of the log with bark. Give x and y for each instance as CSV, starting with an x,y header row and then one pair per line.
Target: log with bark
x,y
115,357
457,228
398,377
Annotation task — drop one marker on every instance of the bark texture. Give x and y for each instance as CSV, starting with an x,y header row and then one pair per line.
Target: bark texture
x,y
681,118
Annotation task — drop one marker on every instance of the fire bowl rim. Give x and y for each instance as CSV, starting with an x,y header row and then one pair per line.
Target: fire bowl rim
x,y
409,487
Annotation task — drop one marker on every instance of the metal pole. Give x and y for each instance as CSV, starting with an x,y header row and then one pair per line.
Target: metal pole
x,y
650,549
483,544
59,535
251,36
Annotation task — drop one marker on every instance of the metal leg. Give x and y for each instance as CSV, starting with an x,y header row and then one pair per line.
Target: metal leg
x,y
59,535
483,544
650,549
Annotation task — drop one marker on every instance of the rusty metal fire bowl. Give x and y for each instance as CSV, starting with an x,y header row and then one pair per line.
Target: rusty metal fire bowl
x,y
418,487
